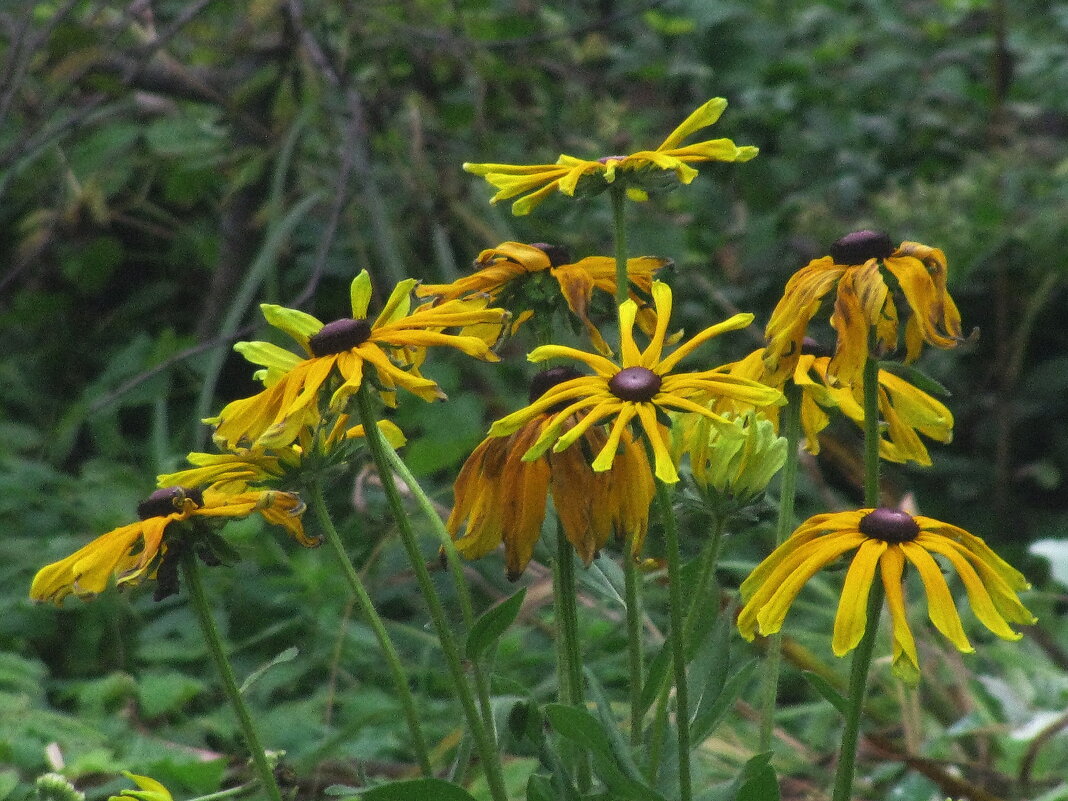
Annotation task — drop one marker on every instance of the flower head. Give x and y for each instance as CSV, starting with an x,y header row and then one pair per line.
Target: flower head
x,y
858,267
391,344
134,552
537,181
501,497
148,789
509,275
638,388
886,539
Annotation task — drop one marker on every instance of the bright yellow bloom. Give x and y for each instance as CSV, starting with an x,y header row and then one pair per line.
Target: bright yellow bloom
x,y
503,270
501,497
133,552
537,181
274,418
865,302
886,539
148,790
638,388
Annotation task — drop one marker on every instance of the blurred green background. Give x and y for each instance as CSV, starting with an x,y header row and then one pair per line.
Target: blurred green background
x,y
166,166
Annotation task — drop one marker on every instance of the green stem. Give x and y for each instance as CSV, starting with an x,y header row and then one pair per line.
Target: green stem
x,y
632,598
191,568
769,679
314,495
481,731
567,640
620,239
452,557
678,644
858,674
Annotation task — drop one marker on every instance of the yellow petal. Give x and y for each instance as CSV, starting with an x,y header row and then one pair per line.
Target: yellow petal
x,y
851,619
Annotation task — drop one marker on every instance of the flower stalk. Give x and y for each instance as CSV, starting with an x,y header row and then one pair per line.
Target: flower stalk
x,y
191,569
567,641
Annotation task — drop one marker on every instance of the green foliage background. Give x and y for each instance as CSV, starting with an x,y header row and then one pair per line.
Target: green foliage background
x,y
166,166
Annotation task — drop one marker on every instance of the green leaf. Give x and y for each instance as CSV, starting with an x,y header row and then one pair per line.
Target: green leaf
x,y
417,790
824,688
756,782
714,707
9,780
539,788
916,377
492,624
288,655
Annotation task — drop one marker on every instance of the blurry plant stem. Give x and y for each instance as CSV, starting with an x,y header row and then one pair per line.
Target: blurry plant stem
x,y
678,643
769,679
314,495
481,728
191,568
569,657
631,587
706,569
858,673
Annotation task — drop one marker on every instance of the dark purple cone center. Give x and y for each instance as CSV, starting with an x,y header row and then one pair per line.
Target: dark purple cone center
x,y
339,336
637,384
547,379
889,525
167,501
557,255
810,347
859,246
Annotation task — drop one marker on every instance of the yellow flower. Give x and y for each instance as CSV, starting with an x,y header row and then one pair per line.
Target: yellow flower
x,y
235,471
638,388
503,270
133,552
501,497
537,181
886,539
148,790
865,302
274,417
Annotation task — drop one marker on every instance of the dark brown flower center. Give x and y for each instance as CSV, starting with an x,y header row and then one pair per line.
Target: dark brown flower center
x,y
547,379
637,384
859,246
167,501
557,255
889,525
339,336
810,347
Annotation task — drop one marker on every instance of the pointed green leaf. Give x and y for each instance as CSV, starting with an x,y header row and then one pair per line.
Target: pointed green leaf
x,y
714,707
916,377
824,688
492,624
288,655
417,790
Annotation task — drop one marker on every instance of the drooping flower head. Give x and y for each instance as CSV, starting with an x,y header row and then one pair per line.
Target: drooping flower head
x,y
391,345
885,539
642,385
514,275
858,267
135,552
501,497
571,176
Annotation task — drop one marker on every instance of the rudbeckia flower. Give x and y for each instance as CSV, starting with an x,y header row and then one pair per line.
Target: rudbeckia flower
x,y
274,418
503,272
864,302
501,497
537,181
886,539
134,552
636,389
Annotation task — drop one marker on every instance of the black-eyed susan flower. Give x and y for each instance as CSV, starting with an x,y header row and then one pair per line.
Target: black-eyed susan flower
x,y
885,539
134,552
501,498
858,267
638,388
537,181
509,275
343,348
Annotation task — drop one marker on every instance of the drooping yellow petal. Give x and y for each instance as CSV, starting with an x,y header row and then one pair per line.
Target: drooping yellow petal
x,y
851,619
940,606
906,664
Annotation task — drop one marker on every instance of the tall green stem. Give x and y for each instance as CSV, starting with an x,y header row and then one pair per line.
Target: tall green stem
x,y
769,680
619,225
567,640
481,731
314,495
191,568
858,675
678,644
